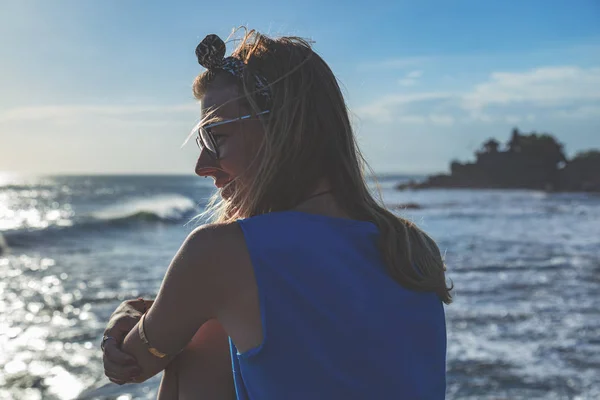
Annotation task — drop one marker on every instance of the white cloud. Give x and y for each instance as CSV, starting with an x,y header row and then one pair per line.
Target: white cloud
x,y
414,74
70,112
411,119
396,63
587,111
407,82
513,119
478,116
432,119
390,107
544,87
512,97
411,79
442,119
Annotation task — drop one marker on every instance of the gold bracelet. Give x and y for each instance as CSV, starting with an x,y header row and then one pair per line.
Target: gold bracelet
x,y
142,334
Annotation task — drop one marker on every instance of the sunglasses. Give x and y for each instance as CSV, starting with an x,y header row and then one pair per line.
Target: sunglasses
x,y
206,139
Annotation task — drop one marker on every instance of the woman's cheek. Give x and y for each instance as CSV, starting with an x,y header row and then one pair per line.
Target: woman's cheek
x,y
230,157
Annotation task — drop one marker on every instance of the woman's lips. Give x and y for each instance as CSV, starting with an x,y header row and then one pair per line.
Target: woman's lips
x,y
220,177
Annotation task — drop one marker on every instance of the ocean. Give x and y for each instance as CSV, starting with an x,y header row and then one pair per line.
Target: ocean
x,y
525,323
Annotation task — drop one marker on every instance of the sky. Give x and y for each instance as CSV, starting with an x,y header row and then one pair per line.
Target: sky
x,y
103,87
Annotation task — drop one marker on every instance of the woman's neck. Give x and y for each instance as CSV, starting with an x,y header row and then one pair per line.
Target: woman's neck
x,y
321,201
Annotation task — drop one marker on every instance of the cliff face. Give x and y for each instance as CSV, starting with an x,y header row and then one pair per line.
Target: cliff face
x,y
533,161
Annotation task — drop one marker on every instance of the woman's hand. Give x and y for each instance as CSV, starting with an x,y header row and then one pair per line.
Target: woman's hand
x,y
119,367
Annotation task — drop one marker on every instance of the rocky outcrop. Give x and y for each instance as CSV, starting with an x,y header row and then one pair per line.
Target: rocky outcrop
x,y
582,173
529,161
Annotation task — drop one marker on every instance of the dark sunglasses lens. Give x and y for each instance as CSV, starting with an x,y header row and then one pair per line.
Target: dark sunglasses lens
x,y
205,140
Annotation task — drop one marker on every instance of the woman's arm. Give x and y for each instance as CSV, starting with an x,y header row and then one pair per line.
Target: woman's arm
x,y
202,369
192,292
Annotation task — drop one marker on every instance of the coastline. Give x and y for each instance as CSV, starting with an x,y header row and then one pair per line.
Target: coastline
x,y
528,161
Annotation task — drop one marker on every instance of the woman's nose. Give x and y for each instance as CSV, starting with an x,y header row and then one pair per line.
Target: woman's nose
x,y
206,164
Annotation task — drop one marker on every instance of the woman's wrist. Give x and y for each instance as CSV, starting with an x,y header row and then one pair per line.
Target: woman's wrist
x,y
142,305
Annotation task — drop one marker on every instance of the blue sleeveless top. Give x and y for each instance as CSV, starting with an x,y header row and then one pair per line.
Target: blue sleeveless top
x,y
335,325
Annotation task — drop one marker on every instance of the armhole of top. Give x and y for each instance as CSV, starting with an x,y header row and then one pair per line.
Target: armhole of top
x,y
261,289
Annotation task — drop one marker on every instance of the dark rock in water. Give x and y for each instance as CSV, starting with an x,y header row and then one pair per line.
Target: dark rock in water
x,y
407,185
582,173
529,161
408,206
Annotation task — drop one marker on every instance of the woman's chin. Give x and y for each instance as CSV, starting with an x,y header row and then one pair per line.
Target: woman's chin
x,y
227,192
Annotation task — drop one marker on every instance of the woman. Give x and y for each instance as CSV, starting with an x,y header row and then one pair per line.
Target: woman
x,y
304,284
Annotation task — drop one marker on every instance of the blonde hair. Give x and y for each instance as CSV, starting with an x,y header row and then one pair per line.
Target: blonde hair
x,y
308,136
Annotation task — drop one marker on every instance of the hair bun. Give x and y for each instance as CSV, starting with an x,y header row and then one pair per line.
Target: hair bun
x,y
211,51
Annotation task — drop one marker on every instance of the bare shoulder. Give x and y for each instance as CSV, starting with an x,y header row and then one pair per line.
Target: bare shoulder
x,y
223,233
220,242
222,252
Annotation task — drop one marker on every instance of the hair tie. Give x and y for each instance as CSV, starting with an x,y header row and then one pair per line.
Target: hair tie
x,y
211,55
210,52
